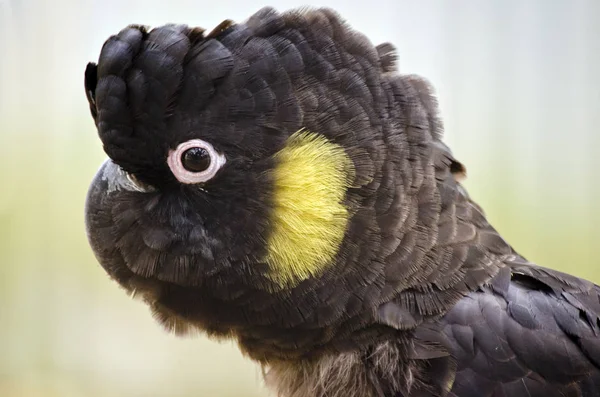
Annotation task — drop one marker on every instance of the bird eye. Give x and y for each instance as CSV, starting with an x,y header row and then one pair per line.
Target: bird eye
x,y
195,161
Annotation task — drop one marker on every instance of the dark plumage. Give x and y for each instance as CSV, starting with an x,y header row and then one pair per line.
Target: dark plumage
x,y
423,296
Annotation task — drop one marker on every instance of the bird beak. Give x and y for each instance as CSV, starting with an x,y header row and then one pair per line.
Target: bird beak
x,y
109,180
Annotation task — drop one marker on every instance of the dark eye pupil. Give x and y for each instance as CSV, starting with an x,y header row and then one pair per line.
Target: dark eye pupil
x,y
195,159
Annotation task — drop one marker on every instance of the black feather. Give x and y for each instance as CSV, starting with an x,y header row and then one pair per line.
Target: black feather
x,y
424,297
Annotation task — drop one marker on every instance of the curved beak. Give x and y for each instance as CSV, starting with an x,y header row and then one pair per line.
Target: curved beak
x,y
109,180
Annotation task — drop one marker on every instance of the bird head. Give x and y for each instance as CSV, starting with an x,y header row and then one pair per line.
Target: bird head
x,y
260,177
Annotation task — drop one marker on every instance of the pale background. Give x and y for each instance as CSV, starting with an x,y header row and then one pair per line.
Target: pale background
x,y
519,86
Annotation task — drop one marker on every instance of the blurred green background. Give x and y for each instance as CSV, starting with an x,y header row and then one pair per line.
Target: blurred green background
x,y
519,89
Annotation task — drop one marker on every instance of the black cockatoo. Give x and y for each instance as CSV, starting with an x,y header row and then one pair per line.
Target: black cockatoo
x,y
279,183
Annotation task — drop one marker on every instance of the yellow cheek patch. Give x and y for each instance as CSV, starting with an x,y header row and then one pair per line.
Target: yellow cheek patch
x,y
309,220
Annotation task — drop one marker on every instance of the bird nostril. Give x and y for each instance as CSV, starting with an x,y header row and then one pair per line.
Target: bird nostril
x,y
139,185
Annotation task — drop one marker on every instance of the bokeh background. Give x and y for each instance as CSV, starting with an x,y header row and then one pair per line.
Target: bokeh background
x,y
519,87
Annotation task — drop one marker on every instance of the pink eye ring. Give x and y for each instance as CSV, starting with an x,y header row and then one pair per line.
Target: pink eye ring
x,y
195,161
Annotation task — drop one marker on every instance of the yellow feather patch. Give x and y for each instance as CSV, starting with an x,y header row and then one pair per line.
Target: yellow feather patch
x,y
309,220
